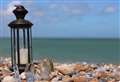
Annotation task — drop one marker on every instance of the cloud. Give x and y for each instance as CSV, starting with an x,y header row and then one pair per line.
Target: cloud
x,y
77,9
3,12
10,8
54,12
27,2
110,8
39,13
52,6
71,8
51,19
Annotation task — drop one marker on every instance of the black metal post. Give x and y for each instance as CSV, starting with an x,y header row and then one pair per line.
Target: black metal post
x,y
12,57
31,44
28,40
18,47
14,46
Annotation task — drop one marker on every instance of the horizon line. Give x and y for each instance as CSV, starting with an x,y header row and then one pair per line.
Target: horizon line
x,y
69,38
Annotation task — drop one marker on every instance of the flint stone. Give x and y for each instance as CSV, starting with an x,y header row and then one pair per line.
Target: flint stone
x,y
67,79
80,79
94,80
57,79
79,67
65,69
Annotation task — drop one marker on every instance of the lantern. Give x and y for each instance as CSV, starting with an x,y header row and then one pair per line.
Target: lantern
x,y
21,38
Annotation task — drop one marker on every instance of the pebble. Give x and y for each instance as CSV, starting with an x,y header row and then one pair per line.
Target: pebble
x,y
8,79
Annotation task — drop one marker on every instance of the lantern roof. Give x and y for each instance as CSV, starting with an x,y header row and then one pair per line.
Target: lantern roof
x,y
20,22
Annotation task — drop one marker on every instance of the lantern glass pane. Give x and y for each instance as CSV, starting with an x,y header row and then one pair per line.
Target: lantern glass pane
x,y
21,38
23,48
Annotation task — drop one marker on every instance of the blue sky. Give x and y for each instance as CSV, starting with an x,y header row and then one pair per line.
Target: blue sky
x,y
66,18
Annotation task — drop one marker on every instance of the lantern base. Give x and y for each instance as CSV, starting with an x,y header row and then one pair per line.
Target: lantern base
x,y
21,68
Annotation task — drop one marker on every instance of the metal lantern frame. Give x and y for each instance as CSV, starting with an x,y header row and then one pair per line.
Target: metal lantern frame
x,y
18,27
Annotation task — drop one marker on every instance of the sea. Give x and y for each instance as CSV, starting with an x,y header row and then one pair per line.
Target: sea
x,y
71,50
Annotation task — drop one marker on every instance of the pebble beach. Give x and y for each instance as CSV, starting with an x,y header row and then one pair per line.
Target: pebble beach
x,y
48,71
80,35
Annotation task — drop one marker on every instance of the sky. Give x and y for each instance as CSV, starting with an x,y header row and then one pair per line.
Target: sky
x,y
66,18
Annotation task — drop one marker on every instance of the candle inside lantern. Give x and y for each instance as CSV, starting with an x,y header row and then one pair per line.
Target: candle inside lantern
x,y
23,56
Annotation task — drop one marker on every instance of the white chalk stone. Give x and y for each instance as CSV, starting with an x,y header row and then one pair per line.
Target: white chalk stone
x,y
9,79
23,75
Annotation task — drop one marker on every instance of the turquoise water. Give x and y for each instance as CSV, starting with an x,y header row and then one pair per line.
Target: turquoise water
x,y
72,50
